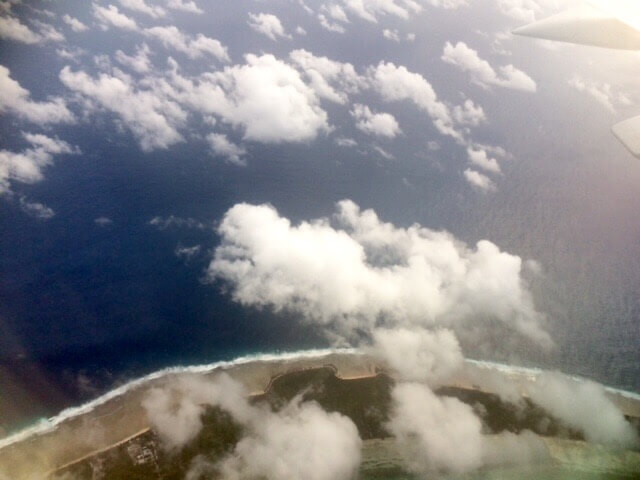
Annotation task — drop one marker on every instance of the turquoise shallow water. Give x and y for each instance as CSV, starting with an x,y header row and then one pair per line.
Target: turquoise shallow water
x,y
548,473
568,461
43,424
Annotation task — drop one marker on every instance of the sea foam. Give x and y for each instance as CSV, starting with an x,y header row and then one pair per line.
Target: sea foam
x,y
533,372
47,425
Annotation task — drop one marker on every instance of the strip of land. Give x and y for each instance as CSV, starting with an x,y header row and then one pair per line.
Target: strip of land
x,y
123,418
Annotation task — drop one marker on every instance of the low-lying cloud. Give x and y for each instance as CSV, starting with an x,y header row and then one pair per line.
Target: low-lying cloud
x,y
175,410
583,405
153,119
442,434
378,124
300,440
419,355
434,433
16,99
355,272
482,73
479,180
27,166
268,25
11,28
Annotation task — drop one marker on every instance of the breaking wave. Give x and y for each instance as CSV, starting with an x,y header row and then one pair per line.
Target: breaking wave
x,y
532,373
47,425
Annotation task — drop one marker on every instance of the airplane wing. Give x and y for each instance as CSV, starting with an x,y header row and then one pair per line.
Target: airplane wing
x,y
609,24
601,23
628,132
627,11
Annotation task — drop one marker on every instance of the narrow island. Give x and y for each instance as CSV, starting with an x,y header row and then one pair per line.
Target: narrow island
x,y
115,439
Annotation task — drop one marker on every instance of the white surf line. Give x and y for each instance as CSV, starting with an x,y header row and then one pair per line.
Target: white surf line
x,y
535,372
50,424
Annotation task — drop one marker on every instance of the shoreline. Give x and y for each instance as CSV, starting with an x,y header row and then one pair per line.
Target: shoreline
x,y
42,425
118,414
97,425
534,371
260,393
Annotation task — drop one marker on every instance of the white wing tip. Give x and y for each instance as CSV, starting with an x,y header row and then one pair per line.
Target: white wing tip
x,y
585,25
628,132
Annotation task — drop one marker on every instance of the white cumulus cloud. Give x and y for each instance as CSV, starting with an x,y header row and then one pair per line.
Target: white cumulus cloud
x,y
363,271
185,6
220,145
583,405
448,4
268,25
12,29
371,10
17,100
139,62
27,166
175,409
375,10
48,32
479,180
151,117
346,142
482,73
36,209
397,83
391,35
194,47
479,158
417,354
75,24
298,441
331,79
600,92
379,124
435,434
336,12
469,114
528,10
141,6
110,16
329,25
440,434
266,97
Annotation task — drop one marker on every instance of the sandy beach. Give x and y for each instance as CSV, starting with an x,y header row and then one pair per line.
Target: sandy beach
x,y
113,419
120,417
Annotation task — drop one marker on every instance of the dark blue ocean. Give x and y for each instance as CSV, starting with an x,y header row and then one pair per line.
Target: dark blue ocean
x,y
85,307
